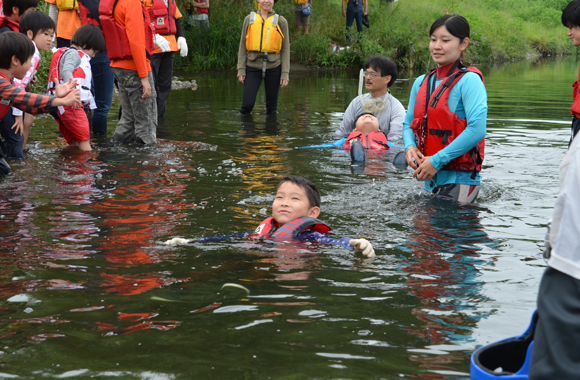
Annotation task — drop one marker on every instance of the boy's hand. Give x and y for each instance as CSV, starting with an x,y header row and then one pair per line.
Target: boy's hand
x,y
182,46
62,90
146,87
18,124
176,241
363,246
73,99
34,80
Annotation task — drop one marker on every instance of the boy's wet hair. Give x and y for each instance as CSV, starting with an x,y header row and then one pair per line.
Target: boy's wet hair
x,y
36,22
14,44
359,116
309,188
384,65
22,6
571,14
89,37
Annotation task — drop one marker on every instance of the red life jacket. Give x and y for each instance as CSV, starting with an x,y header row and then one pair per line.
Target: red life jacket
x,y
198,10
82,75
163,17
89,10
5,21
118,46
5,104
374,140
435,126
576,96
288,232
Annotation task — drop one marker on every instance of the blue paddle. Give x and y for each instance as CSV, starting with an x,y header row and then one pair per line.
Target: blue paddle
x,y
340,143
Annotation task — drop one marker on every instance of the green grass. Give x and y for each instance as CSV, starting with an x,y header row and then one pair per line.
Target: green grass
x,y
500,30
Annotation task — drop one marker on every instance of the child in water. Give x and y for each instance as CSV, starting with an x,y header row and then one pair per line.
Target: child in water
x,y
294,212
74,62
367,131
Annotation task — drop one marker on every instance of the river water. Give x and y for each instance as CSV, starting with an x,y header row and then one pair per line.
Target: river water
x,y
88,290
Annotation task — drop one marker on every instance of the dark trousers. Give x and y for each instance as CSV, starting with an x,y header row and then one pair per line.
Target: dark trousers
x,y
61,42
252,85
103,82
162,67
12,140
353,14
556,351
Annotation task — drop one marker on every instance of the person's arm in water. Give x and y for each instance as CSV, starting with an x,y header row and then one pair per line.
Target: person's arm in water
x,y
358,245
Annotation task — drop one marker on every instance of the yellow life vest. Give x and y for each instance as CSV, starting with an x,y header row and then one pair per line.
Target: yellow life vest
x,y
65,5
264,36
301,2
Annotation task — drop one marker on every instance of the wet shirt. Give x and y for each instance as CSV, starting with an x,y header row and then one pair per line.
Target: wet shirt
x,y
468,100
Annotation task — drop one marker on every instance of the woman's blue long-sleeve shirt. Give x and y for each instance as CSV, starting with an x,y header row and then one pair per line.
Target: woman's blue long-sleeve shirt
x,y
468,100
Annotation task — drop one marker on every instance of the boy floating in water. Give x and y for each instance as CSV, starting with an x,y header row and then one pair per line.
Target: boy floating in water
x,y
294,212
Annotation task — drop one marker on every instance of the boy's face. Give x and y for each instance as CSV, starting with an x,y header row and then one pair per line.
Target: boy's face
x,y
574,34
43,39
90,52
291,202
367,124
19,69
16,16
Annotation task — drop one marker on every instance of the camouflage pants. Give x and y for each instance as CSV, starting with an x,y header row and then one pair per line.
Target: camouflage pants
x,y
139,116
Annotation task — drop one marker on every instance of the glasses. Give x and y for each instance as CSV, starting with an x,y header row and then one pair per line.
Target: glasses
x,y
371,74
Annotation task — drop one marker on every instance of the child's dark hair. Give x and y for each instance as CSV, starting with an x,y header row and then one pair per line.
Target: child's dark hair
x,y
22,6
384,65
571,14
89,37
14,44
36,22
311,190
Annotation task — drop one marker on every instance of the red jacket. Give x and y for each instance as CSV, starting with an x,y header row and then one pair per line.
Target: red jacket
x,y
435,126
5,21
374,140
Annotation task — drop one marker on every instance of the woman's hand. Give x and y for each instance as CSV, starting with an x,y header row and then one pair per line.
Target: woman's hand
x,y
425,171
284,83
242,78
414,157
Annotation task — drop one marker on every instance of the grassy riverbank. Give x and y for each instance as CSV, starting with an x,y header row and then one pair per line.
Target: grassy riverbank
x,y
501,30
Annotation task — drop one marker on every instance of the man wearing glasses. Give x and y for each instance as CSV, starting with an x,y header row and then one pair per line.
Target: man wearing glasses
x,y
380,74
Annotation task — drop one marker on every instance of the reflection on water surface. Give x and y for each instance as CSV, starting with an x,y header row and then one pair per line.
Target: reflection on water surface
x,y
89,291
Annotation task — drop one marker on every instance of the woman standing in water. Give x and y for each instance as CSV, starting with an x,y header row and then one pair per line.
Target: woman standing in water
x,y
264,54
444,128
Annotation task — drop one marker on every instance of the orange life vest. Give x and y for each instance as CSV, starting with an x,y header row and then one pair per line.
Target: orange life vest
x,y
270,229
374,140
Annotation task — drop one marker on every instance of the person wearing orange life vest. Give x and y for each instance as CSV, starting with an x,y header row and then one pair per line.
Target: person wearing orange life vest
x,y
264,54
295,210
65,14
74,62
368,133
169,39
130,40
445,126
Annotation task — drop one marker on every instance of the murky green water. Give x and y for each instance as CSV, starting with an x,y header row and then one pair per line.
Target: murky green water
x,y
88,291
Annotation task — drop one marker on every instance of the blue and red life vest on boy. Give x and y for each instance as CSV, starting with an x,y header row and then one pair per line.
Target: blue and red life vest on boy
x,y
163,16
5,21
270,229
435,126
118,46
374,140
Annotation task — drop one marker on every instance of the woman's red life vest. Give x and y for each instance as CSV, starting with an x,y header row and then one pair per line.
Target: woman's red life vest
x,y
374,140
5,104
5,21
118,46
435,126
163,17
576,96
270,229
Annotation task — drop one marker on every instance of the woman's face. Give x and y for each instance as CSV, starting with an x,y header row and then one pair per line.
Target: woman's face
x,y
266,4
445,48
367,124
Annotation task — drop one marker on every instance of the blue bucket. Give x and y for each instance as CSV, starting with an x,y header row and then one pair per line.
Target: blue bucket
x,y
508,359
